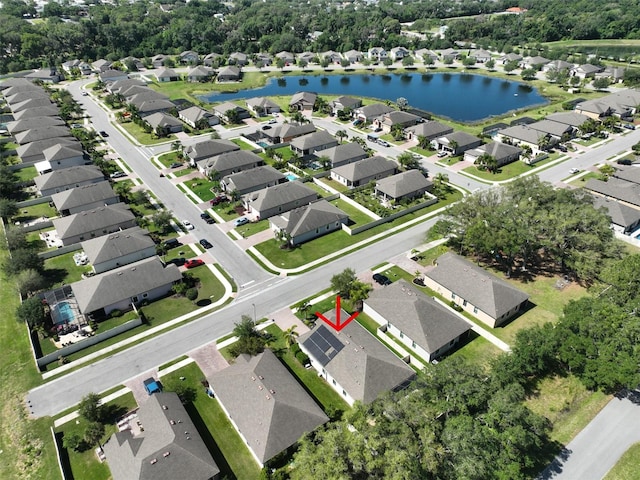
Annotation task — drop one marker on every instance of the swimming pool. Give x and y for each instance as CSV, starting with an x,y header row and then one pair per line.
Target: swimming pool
x,y
62,313
291,176
263,144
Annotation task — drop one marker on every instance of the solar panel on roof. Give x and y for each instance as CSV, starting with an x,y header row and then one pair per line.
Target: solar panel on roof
x,y
323,345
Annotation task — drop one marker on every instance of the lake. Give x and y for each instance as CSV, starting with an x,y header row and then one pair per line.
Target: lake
x,y
459,96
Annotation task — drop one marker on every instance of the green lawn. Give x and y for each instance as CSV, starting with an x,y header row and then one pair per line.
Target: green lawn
x,y
63,269
183,172
628,467
32,212
584,178
227,448
242,144
201,187
85,464
253,227
141,136
355,215
284,152
28,450
422,151
335,185
168,158
26,174
321,191
508,171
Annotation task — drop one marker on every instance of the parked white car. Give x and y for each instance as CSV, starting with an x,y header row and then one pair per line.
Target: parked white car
x,y
188,225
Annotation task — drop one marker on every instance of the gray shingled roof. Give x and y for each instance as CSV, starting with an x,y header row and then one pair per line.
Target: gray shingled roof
x,y
263,102
308,218
398,117
622,190
345,152
462,139
313,140
116,245
161,119
17,81
425,321
430,129
87,194
497,150
248,179
68,176
41,133
209,148
493,296
290,130
62,152
130,457
305,97
630,174
620,214
139,95
223,108
92,220
282,194
22,96
552,128
348,102
111,287
363,366
402,184
365,168
229,71
523,133
375,110
200,71
31,103
268,405
50,111
29,123
34,148
237,159
166,73
568,118
154,105
193,114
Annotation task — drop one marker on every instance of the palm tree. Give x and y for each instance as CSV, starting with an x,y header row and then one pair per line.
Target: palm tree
x,y
341,134
454,146
290,336
423,140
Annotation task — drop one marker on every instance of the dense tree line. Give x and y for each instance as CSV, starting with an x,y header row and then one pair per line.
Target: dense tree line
x,y
143,29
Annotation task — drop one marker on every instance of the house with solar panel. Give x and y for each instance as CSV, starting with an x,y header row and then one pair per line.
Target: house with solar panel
x,y
478,292
353,362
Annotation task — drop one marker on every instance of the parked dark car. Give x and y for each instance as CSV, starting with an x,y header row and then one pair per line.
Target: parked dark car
x,y
381,279
207,218
562,148
103,134
175,165
205,243
172,243
629,126
179,261
217,200
624,161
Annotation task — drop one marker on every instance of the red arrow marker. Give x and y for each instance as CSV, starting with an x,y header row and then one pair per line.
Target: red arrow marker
x,y
338,325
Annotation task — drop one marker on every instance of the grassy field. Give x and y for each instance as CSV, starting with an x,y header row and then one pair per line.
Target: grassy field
x,y
137,132
27,446
35,211
63,269
227,448
355,215
628,467
26,174
506,172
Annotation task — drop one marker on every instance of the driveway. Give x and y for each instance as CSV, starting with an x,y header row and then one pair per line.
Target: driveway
x,y
137,388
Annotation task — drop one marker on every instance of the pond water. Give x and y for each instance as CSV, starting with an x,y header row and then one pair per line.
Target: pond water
x,y
458,96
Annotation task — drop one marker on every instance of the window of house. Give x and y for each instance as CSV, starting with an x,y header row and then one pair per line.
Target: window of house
x,y
334,382
453,295
401,335
145,295
413,344
475,309
344,393
464,303
134,299
452,342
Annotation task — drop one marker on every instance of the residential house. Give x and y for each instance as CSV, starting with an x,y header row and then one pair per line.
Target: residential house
x,y
313,142
287,57
120,288
207,149
136,94
265,404
33,103
480,55
41,133
163,123
18,82
288,131
261,106
586,71
353,362
307,57
429,130
251,180
278,199
630,174
61,156
558,132
624,218
195,116
332,57
344,154
222,111
354,56
158,448
623,104
478,292
398,53
101,65
625,192
230,162
87,197
51,110
135,62
425,327
238,58
120,86
511,57
189,57
18,126
535,63
113,75
343,103
229,74
73,177
200,73
456,143
450,54
363,171
403,186
303,101
377,54
72,65
615,74
33,152
503,153
118,249
211,59
262,60
167,75
572,119
422,53
147,107
369,113
397,119
159,60
24,96
557,65
311,221
523,136
93,223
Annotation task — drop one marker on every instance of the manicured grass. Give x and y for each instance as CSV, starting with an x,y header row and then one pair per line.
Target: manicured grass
x,y
476,350
284,152
321,191
26,444
584,178
253,228
143,137
201,187
183,172
326,396
628,467
168,158
356,216
85,464
226,210
189,90
335,185
35,211
422,151
242,144
567,404
227,448
508,171
63,269
26,174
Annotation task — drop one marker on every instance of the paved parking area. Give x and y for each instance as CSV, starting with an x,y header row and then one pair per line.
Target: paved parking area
x,y
209,359
137,388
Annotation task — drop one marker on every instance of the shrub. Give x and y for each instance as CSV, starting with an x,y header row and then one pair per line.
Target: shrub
x,y
116,313
455,306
